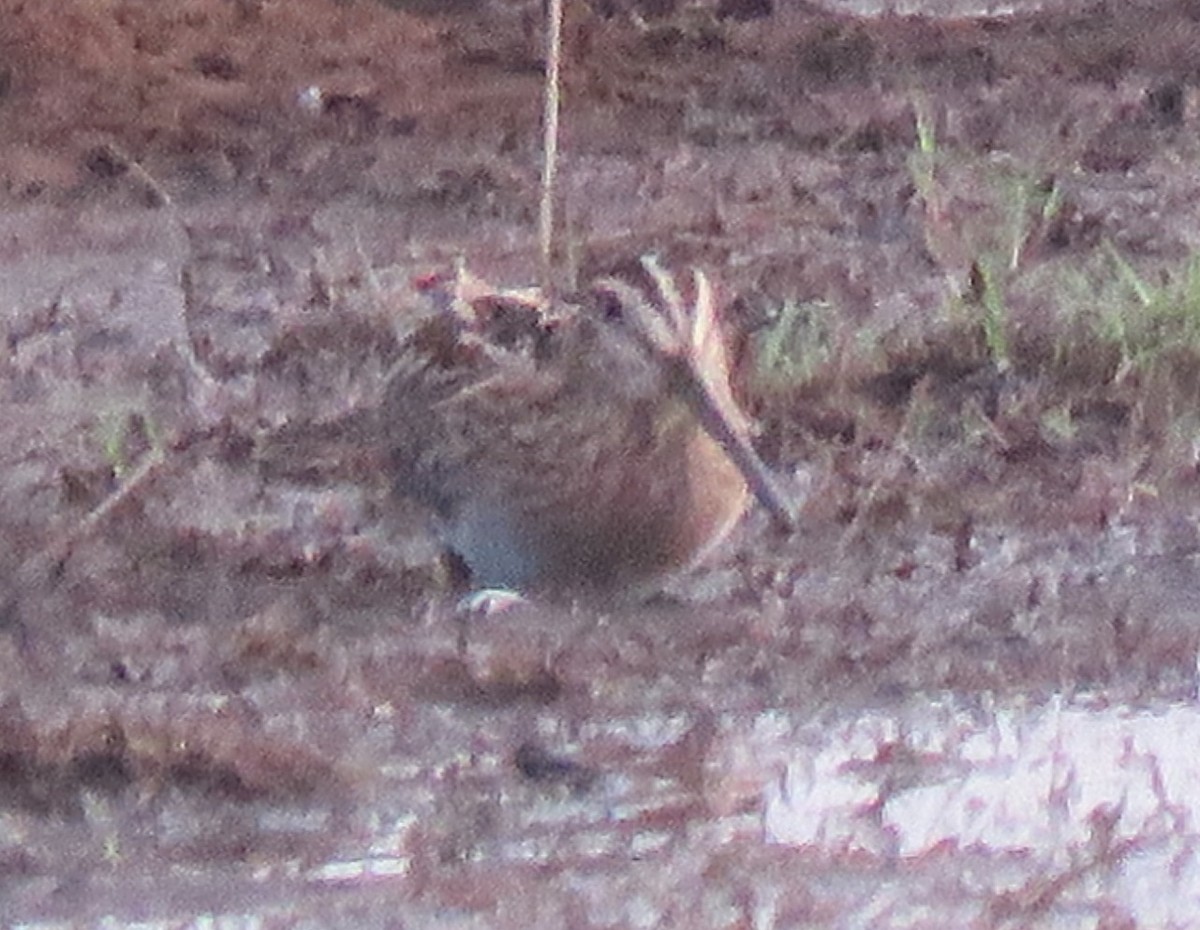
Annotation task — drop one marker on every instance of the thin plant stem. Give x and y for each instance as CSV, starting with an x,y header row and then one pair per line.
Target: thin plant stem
x,y
550,140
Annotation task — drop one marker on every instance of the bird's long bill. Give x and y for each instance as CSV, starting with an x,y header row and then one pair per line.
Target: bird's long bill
x,y
718,424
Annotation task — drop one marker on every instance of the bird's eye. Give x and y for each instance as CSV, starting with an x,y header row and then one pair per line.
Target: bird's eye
x,y
609,308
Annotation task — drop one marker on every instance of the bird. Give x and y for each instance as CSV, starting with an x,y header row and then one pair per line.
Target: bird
x,y
588,442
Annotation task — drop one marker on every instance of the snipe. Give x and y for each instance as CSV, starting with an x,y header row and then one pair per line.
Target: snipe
x,y
583,444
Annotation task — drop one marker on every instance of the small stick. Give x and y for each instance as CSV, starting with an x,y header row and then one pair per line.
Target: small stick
x,y
550,140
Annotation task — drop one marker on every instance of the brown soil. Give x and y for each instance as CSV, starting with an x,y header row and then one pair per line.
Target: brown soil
x,y
223,669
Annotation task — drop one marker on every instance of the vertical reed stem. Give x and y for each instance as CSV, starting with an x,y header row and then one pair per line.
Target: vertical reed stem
x,y
550,141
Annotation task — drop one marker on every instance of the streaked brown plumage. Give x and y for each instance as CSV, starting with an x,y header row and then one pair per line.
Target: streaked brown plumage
x,y
590,444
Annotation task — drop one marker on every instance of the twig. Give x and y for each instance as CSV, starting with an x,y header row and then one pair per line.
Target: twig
x,y
550,140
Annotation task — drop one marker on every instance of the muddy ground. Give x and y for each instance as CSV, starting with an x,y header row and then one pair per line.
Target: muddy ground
x,y
956,253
